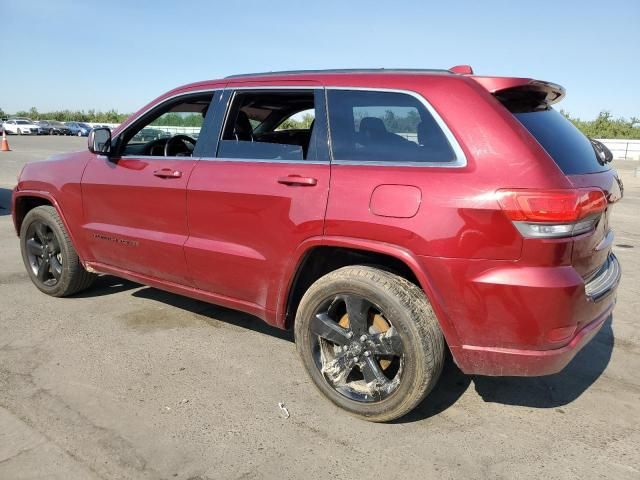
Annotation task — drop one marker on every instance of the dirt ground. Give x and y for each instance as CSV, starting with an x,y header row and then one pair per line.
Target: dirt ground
x,y
126,381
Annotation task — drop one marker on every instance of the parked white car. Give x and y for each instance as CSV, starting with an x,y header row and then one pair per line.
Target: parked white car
x,y
20,127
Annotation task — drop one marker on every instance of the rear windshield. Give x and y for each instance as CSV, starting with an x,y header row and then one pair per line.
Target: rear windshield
x,y
570,149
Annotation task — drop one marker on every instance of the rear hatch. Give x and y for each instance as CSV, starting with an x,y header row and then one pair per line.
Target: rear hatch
x,y
584,163
576,157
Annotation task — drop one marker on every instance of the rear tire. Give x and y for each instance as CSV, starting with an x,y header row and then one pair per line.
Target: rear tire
x,y
412,341
49,256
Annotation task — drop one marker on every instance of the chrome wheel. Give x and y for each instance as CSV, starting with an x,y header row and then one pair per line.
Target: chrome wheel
x,y
356,348
44,254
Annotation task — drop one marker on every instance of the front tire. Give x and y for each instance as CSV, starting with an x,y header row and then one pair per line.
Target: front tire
x,y
370,342
49,256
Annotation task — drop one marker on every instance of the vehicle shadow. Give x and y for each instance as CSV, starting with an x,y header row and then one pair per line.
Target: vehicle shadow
x,y
556,390
551,391
451,386
107,285
5,201
214,313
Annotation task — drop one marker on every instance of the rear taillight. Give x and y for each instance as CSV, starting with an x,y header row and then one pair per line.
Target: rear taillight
x,y
553,213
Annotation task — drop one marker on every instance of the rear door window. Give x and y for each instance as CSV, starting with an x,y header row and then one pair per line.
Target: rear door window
x,y
269,125
569,147
377,126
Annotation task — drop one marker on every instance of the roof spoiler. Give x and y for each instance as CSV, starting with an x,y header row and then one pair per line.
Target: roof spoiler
x,y
462,70
509,89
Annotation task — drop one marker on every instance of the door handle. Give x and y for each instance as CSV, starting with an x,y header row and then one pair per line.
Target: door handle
x,y
168,173
297,180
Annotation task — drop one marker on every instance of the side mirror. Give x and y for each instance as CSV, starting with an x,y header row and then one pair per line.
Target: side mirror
x,y
99,141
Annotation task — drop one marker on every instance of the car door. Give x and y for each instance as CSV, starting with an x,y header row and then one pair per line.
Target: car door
x,y
250,204
135,210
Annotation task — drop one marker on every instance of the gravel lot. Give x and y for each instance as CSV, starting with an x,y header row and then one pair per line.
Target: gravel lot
x,y
126,381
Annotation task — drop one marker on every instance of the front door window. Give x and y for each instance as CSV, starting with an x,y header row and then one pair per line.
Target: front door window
x,y
171,130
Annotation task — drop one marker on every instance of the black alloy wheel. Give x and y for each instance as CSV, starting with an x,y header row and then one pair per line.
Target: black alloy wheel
x,y
44,254
49,256
357,350
369,341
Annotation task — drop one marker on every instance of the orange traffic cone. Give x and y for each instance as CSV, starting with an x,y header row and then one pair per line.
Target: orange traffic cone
x,y
5,144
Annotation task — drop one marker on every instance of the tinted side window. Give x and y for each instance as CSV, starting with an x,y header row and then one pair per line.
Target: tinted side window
x,y
253,127
384,126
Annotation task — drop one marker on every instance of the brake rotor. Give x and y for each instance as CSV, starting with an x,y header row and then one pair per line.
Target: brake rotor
x,y
380,325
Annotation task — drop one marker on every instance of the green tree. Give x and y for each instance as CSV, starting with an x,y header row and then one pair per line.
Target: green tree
x,y
293,124
606,126
178,120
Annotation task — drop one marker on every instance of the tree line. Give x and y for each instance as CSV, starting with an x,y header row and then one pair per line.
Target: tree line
x,y
603,126
178,120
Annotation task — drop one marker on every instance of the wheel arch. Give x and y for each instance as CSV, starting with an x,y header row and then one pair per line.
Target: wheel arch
x,y
26,200
320,256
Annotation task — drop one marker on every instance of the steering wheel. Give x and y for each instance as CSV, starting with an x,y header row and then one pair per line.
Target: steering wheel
x,y
174,139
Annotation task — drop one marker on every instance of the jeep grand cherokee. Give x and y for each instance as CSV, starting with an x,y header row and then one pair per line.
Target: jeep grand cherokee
x,y
384,215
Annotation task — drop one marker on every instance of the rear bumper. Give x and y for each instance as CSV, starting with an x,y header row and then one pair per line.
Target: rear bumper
x,y
524,363
505,318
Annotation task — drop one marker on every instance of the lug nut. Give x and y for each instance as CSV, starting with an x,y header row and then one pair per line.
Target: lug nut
x,y
350,335
356,359
363,338
367,353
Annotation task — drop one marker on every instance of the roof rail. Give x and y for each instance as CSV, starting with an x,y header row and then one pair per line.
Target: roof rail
x,y
341,71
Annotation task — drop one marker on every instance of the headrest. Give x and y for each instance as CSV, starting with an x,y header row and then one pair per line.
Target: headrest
x,y
243,125
372,126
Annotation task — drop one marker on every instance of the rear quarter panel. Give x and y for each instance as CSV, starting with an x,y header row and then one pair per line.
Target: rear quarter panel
x,y
458,216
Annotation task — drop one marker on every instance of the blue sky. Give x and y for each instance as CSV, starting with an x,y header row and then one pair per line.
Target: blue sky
x,y
115,54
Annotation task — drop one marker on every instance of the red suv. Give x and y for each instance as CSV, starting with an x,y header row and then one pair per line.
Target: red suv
x,y
384,215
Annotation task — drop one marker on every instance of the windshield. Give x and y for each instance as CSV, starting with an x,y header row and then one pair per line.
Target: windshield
x,y
22,122
568,146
